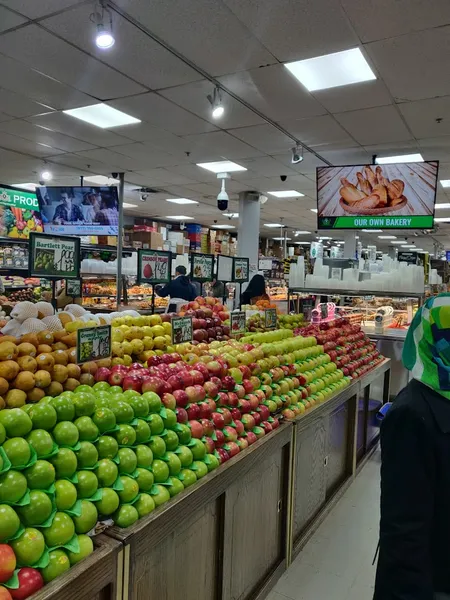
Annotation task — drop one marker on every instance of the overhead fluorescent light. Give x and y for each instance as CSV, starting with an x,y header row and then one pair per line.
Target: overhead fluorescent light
x,y
314,210
26,186
303,243
397,242
445,182
128,205
281,239
181,201
224,226
221,166
419,249
302,232
442,205
402,158
273,225
387,237
407,246
332,70
231,215
180,217
372,230
101,115
286,194
442,219
101,180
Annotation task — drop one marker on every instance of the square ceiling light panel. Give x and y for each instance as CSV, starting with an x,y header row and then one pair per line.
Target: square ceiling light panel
x,y
332,70
128,205
286,194
224,226
273,225
402,158
101,115
180,217
181,201
445,182
101,180
222,166
442,205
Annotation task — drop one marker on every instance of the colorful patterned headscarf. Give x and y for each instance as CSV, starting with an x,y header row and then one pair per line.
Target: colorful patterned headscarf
x,y
426,352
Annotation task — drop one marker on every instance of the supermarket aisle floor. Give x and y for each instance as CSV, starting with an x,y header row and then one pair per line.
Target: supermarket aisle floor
x,y
337,561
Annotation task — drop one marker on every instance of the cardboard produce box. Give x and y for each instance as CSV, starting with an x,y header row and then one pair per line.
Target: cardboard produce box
x,y
150,239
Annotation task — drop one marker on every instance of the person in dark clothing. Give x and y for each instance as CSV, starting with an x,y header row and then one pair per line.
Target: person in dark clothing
x,y
217,289
67,212
414,560
256,290
180,287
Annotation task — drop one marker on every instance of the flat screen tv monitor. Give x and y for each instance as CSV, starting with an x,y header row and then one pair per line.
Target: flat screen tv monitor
x,y
391,196
19,213
88,210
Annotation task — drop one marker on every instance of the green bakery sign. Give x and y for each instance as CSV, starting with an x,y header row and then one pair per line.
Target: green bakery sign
x,y
376,222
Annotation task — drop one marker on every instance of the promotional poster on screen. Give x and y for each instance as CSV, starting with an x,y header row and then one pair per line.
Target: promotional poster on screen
x,y
19,213
388,196
79,210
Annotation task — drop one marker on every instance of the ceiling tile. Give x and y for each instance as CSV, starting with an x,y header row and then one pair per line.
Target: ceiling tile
x,y
54,57
413,65
78,129
114,160
375,125
385,18
435,148
261,88
11,142
153,156
318,131
81,165
161,113
193,97
214,39
134,53
218,145
39,8
9,19
354,97
34,133
289,28
421,116
17,105
264,138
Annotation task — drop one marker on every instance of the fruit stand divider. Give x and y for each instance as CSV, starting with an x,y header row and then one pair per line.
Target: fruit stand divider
x,y
97,577
223,538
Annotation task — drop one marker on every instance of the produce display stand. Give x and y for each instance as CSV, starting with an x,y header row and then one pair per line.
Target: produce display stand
x,y
97,577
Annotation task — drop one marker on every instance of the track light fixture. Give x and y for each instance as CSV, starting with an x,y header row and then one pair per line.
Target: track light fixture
x,y
102,18
297,154
216,103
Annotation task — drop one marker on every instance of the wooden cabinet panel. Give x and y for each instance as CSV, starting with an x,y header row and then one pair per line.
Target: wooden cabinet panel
x,y
310,481
338,445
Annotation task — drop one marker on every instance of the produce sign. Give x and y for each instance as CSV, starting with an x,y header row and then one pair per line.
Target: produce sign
x,y
53,256
19,213
237,323
202,266
182,330
93,343
154,266
407,257
270,318
392,196
74,288
240,269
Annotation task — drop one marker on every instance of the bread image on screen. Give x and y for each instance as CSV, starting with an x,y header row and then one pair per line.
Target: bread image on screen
x,y
372,190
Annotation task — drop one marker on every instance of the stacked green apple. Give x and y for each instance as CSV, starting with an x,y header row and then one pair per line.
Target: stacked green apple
x,y
88,455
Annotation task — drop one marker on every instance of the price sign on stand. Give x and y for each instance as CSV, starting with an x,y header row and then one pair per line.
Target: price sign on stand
x,y
202,267
74,288
270,318
154,266
54,256
237,322
182,330
93,343
240,270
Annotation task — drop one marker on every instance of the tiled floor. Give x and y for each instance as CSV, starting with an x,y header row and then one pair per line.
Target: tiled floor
x,y
337,561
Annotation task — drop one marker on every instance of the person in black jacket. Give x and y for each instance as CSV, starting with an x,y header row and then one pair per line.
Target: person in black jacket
x,y
180,287
414,559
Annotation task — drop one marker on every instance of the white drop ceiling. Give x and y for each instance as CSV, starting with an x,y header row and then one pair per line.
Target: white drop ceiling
x,y
159,71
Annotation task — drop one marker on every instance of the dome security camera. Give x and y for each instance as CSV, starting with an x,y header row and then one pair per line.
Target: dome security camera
x,y
283,177
143,197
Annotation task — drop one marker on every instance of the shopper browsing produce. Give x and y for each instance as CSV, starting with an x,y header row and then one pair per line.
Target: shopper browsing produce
x,y
256,290
180,287
414,557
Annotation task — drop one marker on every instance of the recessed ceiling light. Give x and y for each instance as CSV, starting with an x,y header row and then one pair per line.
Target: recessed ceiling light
x,y
181,201
101,179
128,205
442,205
303,243
372,230
324,237
180,217
397,242
314,210
402,158
101,115
445,182
231,215
221,166
273,225
407,246
387,237
419,249
302,232
442,219
26,186
281,239
286,194
46,175
332,70
224,226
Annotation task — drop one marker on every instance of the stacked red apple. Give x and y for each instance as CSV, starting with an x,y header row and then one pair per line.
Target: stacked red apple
x,y
348,346
208,319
